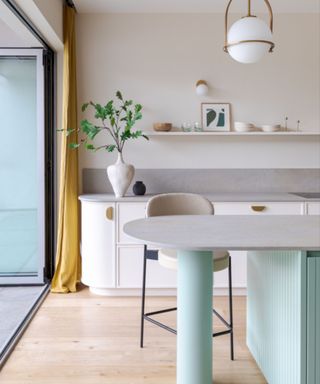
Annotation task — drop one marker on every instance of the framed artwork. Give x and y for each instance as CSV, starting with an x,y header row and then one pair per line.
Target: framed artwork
x,y
215,116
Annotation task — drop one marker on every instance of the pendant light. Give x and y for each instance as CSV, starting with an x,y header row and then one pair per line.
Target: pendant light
x,y
249,38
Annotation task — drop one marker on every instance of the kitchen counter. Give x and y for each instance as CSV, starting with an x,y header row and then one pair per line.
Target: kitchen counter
x,y
214,197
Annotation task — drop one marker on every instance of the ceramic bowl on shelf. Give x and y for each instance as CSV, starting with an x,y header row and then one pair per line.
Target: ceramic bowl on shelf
x,y
162,127
240,126
271,128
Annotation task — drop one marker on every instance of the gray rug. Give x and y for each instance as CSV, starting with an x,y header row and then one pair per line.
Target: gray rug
x,y
15,304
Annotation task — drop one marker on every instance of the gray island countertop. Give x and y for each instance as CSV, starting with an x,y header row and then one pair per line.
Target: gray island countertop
x,y
214,197
210,232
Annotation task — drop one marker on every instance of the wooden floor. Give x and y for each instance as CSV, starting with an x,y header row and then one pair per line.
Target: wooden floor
x,y
86,339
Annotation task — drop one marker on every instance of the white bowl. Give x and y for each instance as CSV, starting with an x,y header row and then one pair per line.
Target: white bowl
x,y
271,128
243,127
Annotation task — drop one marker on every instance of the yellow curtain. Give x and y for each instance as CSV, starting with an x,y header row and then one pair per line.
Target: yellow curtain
x,y
68,267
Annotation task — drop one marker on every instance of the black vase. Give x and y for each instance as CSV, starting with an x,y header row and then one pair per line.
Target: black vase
x,y
139,188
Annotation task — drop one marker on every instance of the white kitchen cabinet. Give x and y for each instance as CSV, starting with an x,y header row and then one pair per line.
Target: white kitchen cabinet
x,y
130,265
313,208
98,245
112,261
239,258
127,212
260,208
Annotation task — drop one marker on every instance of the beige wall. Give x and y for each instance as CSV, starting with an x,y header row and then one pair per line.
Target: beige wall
x,y
47,17
156,60
52,11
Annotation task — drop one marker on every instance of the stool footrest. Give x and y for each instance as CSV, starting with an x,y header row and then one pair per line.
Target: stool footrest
x,y
167,328
222,333
161,311
161,325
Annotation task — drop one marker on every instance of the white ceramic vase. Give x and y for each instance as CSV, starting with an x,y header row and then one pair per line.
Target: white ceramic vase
x,y
120,175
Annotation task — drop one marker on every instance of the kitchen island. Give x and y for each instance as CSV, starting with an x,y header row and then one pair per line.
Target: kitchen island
x,y
283,289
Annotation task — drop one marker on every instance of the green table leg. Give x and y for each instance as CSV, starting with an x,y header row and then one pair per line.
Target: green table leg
x,y
194,340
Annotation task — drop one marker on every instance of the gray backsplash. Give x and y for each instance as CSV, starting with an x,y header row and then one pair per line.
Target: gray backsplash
x,y
211,180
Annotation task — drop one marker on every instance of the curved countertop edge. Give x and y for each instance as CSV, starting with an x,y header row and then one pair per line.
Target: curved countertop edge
x,y
229,224
214,197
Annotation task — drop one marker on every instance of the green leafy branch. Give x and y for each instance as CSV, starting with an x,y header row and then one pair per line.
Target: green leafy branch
x,y
118,122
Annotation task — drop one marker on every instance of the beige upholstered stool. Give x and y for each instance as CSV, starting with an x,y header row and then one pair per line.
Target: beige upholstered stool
x,y
168,259
182,204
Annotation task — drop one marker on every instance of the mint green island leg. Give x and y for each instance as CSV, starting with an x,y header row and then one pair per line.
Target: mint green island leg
x,y
283,315
194,323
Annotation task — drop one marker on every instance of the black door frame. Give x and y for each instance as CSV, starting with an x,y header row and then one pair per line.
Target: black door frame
x,y
49,63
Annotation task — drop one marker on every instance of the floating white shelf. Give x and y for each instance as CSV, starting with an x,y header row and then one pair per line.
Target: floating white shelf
x,y
232,133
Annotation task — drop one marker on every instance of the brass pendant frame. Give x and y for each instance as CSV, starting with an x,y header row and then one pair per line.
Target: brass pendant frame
x,y
226,45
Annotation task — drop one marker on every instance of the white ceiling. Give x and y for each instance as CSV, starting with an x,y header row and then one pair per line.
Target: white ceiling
x,y
192,6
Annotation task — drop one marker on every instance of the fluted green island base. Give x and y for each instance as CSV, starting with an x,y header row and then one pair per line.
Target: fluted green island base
x,y
283,315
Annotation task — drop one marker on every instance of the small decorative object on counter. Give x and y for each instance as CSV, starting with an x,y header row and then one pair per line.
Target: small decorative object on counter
x,y
186,127
139,188
240,126
286,123
197,127
298,125
162,127
271,127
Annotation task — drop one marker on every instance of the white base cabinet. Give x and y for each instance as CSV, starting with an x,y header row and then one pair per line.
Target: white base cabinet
x,y
130,264
112,262
239,258
98,245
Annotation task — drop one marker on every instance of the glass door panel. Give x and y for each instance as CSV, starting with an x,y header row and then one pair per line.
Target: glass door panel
x,y
21,166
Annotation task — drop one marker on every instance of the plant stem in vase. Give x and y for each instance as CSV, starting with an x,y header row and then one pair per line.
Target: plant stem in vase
x,y
117,122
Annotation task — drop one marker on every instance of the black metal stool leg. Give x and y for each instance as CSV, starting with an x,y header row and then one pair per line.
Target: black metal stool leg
x,y
231,309
143,295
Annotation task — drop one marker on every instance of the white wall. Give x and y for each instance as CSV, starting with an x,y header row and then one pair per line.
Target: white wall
x,y
156,60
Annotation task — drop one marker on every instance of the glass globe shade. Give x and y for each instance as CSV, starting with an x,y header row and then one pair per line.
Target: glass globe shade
x,y
202,89
249,28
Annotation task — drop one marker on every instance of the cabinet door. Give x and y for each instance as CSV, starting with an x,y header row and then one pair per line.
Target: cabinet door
x,y
130,264
239,258
313,208
258,208
128,212
98,244
239,272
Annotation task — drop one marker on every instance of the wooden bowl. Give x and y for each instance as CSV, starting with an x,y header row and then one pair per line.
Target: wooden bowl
x,y
162,127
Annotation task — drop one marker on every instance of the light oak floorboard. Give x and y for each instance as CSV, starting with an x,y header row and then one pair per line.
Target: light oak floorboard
x,y
86,339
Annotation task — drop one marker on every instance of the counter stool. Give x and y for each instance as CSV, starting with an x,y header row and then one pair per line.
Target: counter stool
x,y
183,204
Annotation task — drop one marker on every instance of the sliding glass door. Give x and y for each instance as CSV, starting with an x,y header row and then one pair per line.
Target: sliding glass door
x,y
22,171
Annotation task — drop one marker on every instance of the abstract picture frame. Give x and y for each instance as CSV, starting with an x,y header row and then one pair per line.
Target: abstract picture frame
x,y
215,117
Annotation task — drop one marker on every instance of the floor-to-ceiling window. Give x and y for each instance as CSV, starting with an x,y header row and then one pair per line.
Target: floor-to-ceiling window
x,y
26,175
22,220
